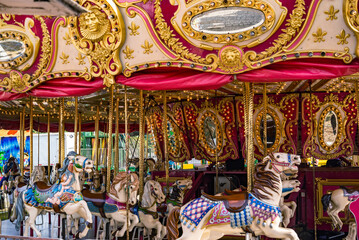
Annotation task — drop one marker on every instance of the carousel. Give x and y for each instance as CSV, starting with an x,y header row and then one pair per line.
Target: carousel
x,y
179,119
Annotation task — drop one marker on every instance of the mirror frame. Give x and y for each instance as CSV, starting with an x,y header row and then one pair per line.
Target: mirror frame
x,y
219,133
257,130
320,128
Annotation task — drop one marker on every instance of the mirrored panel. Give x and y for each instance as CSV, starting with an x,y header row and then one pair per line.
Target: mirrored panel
x,y
227,20
330,128
171,137
209,129
271,130
11,49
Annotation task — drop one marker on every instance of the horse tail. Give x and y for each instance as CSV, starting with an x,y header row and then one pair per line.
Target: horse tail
x,y
172,223
326,201
20,207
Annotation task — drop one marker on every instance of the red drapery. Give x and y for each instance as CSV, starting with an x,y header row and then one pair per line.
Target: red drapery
x,y
186,79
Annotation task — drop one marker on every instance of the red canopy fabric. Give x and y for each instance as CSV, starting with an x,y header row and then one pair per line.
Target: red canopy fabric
x,y
187,79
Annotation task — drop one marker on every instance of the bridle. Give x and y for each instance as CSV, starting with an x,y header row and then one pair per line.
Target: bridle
x,y
282,164
83,164
153,194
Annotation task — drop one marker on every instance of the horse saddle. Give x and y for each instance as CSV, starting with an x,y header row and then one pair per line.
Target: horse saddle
x,y
233,203
42,186
229,192
97,199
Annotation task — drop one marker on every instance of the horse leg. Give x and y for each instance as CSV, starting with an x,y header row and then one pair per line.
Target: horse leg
x,y
31,219
339,223
133,220
286,213
330,213
277,232
78,208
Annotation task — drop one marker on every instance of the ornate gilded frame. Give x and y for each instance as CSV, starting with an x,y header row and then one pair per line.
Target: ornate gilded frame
x,y
320,130
319,194
279,123
208,112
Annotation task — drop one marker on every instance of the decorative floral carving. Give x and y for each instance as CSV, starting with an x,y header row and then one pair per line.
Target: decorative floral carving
x,y
16,81
331,13
342,36
133,28
319,35
147,46
128,52
81,59
64,58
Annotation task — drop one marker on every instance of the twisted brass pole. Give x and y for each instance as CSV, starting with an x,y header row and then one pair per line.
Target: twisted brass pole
x,y
31,135
76,121
22,140
79,146
63,130
249,134
48,144
109,140
127,151
265,119
141,155
165,139
117,154
97,120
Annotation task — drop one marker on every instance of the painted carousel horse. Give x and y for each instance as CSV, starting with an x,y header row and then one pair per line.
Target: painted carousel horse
x,y
288,208
112,205
64,196
39,174
179,188
256,212
336,202
11,171
147,211
97,184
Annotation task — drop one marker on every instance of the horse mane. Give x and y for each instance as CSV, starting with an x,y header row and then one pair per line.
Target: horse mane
x,y
122,178
66,162
264,179
175,194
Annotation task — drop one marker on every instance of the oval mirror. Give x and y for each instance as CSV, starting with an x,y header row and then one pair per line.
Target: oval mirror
x,y
330,128
209,129
227,20
11,49
271,130
171,137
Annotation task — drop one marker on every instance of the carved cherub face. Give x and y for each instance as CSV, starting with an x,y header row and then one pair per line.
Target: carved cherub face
x,y
92,22
230,57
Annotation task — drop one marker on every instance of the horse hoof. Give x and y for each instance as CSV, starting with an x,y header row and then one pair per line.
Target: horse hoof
x,y
77,235
88,224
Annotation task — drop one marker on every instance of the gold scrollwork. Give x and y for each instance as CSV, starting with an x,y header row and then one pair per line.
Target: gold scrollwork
x,y
264,7
22,58
99,34
320,129
16,81
230,58
351,17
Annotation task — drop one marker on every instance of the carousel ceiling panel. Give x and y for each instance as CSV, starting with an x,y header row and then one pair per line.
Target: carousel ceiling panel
x,y
127,36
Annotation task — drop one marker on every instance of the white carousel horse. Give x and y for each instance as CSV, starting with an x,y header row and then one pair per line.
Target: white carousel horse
x,y
179,189
288,208
64,196
257,212
147,211
112,205
336,202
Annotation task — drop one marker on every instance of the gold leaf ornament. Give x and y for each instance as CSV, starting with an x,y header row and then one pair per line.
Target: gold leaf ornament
x,y
319,35
147,46
342,36
133,28
331,13
128,52
16,81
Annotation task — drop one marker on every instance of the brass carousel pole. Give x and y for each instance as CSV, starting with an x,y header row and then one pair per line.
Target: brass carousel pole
x,y
165,139
216,158
249,133
48,144
357,102
141,155
117,154
79,145
127,151
75,123
109,140
31,134
22,140
61,115
265,119
63,130
97,120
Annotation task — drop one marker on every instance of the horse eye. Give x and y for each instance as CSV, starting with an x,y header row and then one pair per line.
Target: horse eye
x,y
278,156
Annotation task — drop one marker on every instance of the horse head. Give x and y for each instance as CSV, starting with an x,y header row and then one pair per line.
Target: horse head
x,y
184,184
291,185
123,183
153,192
10,166
54,173
281,162
81,163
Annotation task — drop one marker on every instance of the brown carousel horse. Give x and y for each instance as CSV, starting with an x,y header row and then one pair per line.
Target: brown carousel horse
x,y
256,212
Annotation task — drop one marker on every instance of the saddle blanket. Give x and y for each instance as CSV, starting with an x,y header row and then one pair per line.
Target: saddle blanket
x,y
195,211
219,215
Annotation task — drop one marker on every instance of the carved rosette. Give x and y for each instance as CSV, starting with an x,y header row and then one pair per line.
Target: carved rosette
x,y
99,34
